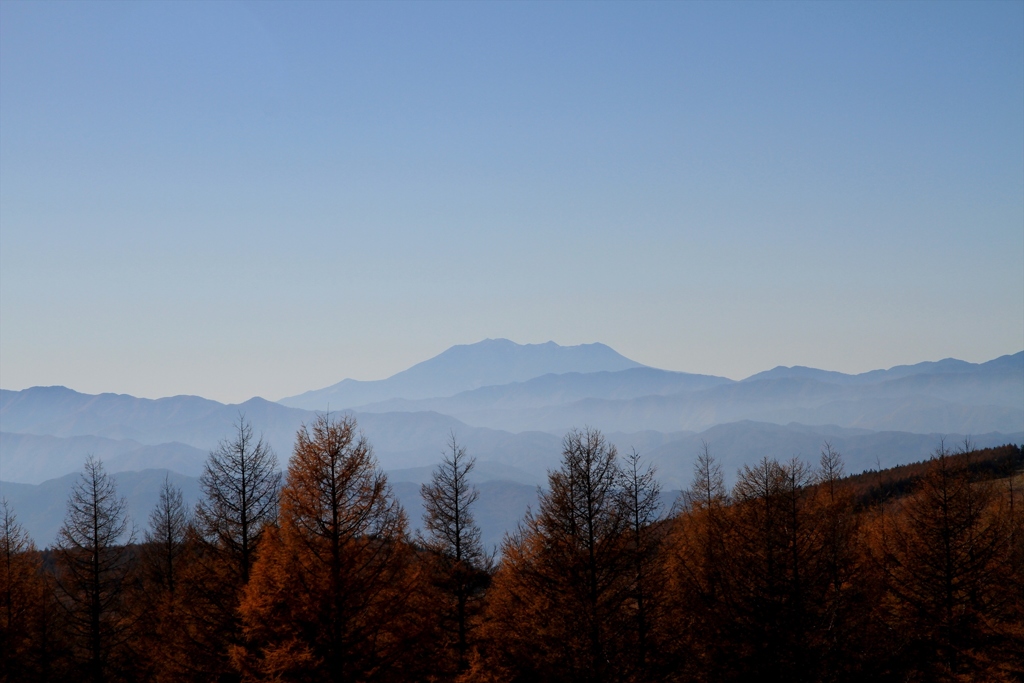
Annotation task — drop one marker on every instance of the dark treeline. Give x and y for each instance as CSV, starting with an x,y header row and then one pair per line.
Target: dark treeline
x,y
796,573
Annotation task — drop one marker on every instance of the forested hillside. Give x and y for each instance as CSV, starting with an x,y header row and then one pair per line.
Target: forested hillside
x,y
797,572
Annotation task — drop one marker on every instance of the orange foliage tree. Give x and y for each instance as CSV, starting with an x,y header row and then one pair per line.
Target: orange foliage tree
x,y
560,607
25,605
697,573
333,593
766,582
240,485
946,554
163,559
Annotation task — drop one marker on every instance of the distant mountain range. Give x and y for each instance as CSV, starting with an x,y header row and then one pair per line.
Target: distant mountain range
x,y
511,404
466,367
944,396
34,458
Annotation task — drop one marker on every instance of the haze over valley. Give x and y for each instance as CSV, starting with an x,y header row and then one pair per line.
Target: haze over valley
x,y
510,405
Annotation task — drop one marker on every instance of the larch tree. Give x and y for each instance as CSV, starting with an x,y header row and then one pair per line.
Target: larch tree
x,y
702,509
93,568
557,605
20,592
453,539
943,553
163,557
701,512
641,503
773,540
165,538
840,589
697,575
240,484
332,594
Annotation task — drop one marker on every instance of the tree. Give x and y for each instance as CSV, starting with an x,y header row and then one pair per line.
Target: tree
x,y
453,538
698,575
640,504
93,566
558,600
165,538
702,512
163,559
943,551
32,646
836,577
19,593
332,593
770,552
240,484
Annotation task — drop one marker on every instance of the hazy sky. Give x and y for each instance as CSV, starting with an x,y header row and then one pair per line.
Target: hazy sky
x,y
238,199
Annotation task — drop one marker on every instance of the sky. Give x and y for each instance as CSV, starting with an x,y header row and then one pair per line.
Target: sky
x,y
231,199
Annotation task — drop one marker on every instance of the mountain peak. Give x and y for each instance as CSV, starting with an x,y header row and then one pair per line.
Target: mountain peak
x,y
469,366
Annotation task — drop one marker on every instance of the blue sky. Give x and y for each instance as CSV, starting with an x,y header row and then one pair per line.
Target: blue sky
x,y
237,199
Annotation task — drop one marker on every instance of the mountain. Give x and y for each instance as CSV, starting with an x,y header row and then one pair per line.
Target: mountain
x,y
194,421
510,406
1009,364
466,367
32,458
48,431
557,389
779,401
947,396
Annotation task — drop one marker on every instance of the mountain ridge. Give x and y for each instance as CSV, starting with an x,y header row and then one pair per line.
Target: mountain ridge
x,y
520,424
945,366
465,367
978,397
